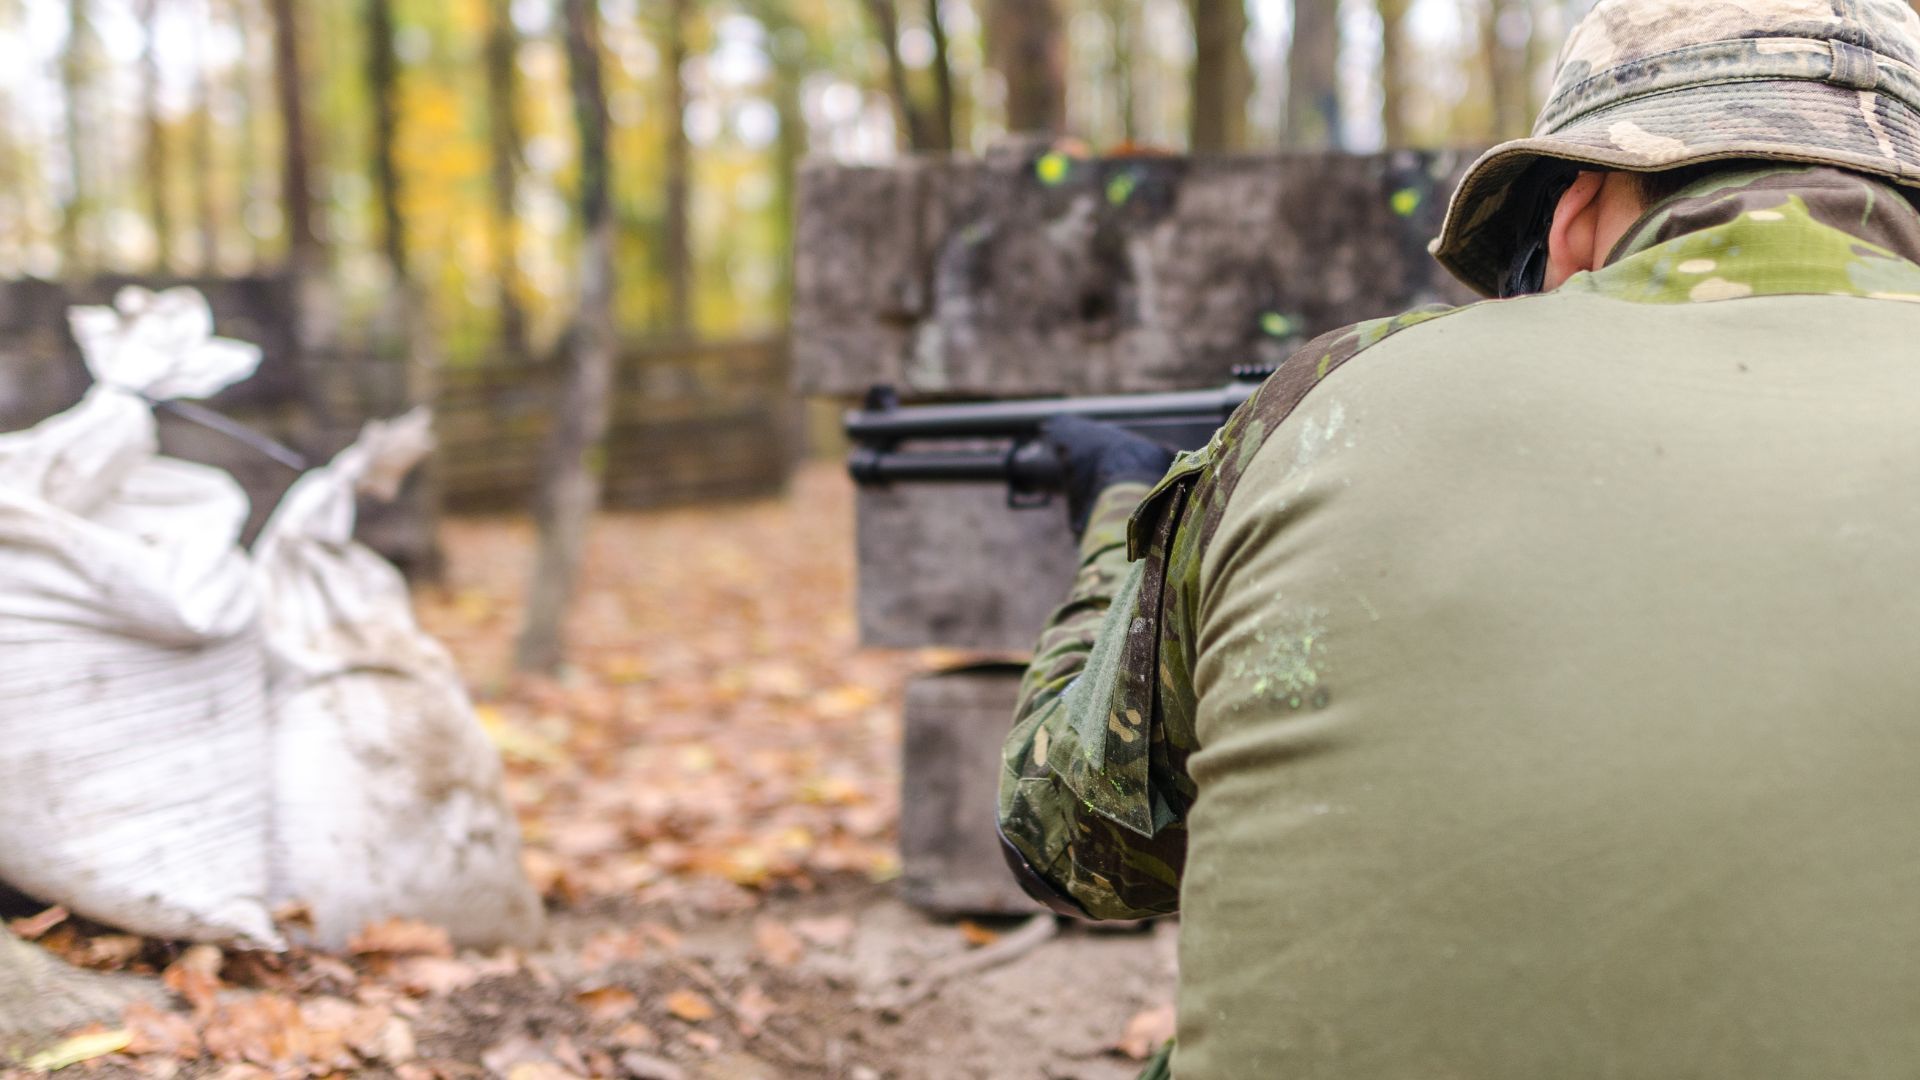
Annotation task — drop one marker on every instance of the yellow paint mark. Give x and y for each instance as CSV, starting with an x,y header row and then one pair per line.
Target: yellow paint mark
x,y
1699,266
1321,371
1719,289
1767,215
1040,741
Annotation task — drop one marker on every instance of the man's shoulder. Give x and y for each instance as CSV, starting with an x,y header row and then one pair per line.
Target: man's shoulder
x,y
1202,480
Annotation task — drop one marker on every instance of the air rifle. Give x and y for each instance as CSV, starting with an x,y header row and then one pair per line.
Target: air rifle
x,y
999,442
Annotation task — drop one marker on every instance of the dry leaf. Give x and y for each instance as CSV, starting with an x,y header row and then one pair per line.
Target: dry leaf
x,y
606,1004
196,977
35,927
828,933
777,942
111,951
265,1029
1147,1032
157,1032
704,1041
690,1005
976,935
641,1066
432,975
83,1047
605,949
401,937
634,1036
751,1010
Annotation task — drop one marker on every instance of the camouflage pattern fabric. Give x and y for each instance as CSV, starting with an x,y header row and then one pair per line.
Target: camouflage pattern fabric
x,y
1649,85
1094,786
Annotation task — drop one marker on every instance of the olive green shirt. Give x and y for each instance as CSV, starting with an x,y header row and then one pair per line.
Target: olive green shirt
x,y
1526,690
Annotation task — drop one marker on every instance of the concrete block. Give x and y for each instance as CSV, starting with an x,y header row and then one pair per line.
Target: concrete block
x,y
956,722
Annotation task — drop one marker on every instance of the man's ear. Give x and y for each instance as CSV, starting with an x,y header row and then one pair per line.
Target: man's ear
x,y
1573,240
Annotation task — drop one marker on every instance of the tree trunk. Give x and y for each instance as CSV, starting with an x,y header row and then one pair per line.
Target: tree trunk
x,y
1396,73
205,166
1120,16
504,142
571,484
676,240
1313,77
407,313
1222,78
304,255
156,180
1024,45
1505,27
76,76
40,997
940,133
886,29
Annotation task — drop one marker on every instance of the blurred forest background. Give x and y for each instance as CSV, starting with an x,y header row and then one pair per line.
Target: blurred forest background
x,y
431,150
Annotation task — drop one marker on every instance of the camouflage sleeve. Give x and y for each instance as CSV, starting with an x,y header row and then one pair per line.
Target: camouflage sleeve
x,y
1047,814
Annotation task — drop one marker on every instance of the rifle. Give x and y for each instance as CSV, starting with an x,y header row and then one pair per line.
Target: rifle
x,y
1015,455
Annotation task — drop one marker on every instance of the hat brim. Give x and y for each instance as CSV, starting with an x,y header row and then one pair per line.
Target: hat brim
x,y
1789,120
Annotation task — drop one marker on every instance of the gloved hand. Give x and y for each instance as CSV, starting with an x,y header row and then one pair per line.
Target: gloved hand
x,y
1097,456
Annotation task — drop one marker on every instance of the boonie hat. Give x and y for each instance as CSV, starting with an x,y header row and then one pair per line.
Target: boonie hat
x,y
1650,85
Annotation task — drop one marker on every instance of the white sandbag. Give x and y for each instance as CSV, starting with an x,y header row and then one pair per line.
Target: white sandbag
x,y
133,727
388,795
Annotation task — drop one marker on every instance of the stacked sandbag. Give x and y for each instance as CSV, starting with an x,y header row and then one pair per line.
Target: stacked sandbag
x,y
134,745
388,796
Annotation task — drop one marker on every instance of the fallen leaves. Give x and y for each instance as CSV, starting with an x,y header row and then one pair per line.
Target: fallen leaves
x,y
690,1005
35,927
718,738
401,937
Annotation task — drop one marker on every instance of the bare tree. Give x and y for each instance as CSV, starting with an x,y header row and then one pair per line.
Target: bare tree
x,y
1222,77
205,166
504,151
676,239
940,134
304,252
77,66
1313,84
157,179
1120,17
1025,46
1396,74
570,488
1505,29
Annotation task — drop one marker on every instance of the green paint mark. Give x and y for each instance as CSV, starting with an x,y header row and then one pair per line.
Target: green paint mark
x,y
1321,371
1274,324
1406,201
1053,169
1120,189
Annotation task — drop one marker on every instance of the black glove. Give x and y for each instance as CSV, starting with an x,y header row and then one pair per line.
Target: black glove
x,y
1097,456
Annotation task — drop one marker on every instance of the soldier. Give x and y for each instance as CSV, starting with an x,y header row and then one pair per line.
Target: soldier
x,y
1530,689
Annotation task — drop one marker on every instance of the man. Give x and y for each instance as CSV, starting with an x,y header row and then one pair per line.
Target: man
x,y
1530,689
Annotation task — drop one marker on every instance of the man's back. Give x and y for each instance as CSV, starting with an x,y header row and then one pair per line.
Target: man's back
x,y
1557,685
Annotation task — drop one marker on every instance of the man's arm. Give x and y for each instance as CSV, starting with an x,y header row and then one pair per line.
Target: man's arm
x,y
1069,850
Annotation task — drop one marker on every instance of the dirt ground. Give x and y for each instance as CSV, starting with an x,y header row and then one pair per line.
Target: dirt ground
x,y
708,797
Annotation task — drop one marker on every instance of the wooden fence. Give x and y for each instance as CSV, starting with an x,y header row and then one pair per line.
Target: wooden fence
x,y
690,422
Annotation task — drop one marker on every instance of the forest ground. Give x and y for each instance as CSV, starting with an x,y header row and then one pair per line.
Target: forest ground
x,y
709,797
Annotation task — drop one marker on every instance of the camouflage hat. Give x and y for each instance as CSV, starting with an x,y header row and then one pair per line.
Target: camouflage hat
x,y
1649,85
